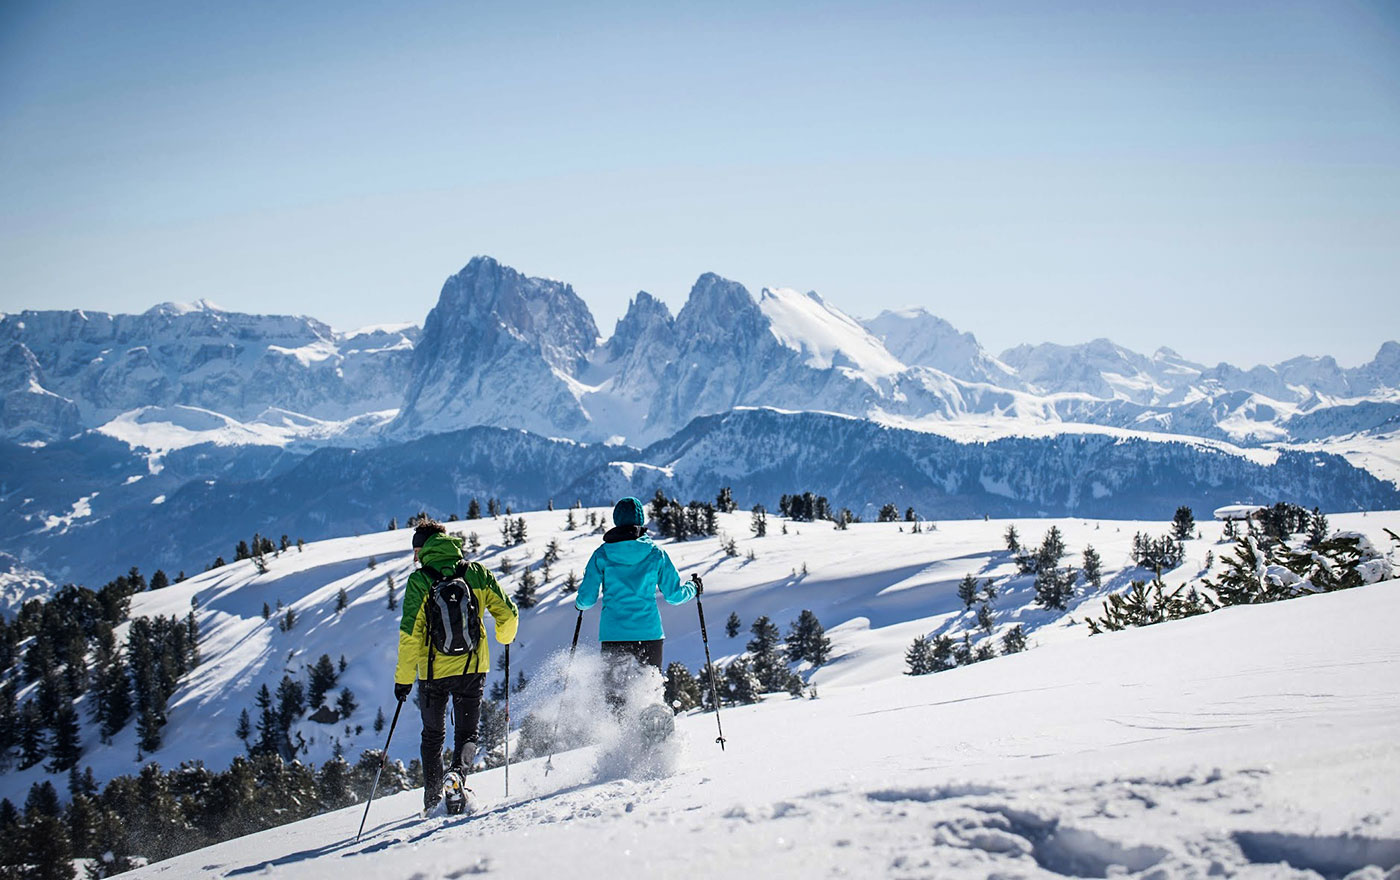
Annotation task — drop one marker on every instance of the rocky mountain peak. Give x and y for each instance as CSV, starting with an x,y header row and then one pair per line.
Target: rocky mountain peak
x,y
647,318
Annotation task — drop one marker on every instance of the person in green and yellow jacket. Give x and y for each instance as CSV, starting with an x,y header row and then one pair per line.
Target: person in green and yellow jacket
x,y
463,678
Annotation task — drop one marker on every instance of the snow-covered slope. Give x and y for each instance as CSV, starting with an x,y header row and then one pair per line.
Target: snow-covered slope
x,y
1227,744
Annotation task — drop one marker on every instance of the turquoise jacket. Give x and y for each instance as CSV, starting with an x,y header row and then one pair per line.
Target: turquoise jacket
x,y
628,573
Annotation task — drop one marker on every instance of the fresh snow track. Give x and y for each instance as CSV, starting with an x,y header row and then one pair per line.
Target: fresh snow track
x,y
1253,742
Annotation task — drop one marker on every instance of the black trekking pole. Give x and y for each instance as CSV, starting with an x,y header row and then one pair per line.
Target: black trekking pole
x,y
709,667
383,759
507,720
554,737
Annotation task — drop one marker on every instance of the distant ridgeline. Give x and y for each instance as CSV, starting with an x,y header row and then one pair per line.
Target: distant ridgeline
x,y
76,508
114,425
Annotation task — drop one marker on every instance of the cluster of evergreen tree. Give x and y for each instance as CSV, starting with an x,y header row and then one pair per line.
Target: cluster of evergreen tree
x,y
1292,554
942,652
1158,554
682,522
1144,604
276,713
1054,586
70,649
157,814
1285,519
261,546
806,507
159,651
513,532
764,668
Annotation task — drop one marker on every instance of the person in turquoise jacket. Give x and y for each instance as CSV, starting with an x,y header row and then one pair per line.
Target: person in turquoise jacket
x,y
627,571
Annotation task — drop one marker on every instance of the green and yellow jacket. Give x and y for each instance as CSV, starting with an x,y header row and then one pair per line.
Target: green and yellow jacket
x,y
441,553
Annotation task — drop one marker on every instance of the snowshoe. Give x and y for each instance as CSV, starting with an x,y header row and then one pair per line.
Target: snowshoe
x,y
655,723
455,795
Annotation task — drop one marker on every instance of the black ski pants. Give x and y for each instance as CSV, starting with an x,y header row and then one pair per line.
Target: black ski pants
x,y
465,692
621,663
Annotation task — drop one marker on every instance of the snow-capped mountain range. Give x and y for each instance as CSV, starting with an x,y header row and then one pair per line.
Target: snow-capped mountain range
x,y
115,422
507,350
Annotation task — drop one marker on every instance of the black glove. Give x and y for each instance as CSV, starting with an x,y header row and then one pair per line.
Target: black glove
x,y
401,691
699,587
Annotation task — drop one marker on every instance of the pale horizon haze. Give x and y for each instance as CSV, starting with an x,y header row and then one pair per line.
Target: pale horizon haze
x,y
1220,179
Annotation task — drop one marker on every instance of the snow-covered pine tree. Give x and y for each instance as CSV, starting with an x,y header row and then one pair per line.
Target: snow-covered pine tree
x,y
1183,523
806,640
342,600
1244,578
1013,539
1051,550
967,591
985,619
1054,587
571,583
291,702
732,625
393,595
758,522
1093,567
962,651
1014,642
725,501
768,664
741,684
269,729
888,513
67,746
320,681
682,690
345,704
1317,528
524,595
244,729
919,658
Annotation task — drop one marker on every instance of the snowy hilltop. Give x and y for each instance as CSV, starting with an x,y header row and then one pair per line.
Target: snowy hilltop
x,y
1256,738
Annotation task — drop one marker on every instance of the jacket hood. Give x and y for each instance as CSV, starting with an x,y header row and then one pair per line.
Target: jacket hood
x,y
630,552
441,553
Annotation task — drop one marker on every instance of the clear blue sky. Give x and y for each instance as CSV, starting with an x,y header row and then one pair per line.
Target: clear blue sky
x,y
1222,178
